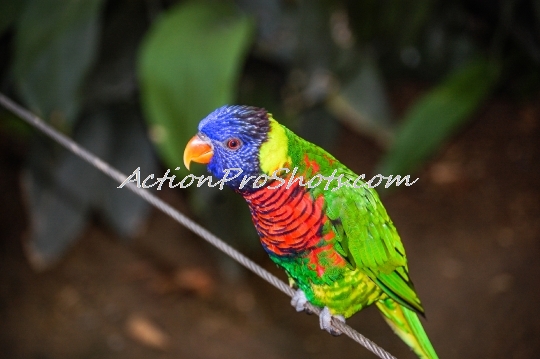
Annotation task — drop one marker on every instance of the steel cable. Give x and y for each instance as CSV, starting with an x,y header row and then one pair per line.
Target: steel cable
x,y
181,218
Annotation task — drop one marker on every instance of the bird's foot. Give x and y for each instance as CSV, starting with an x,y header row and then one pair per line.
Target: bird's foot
x,y
325,320
299,300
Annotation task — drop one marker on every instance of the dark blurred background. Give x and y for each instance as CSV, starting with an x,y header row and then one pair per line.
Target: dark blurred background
x,y
445,91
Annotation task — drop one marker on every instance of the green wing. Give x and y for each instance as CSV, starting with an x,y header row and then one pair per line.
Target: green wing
x,y
370,240
364,233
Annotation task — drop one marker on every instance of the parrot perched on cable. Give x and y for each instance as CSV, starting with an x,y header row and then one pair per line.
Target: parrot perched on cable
x,y
334,240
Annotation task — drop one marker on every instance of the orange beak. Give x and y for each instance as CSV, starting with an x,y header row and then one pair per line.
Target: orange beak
x,y
197,150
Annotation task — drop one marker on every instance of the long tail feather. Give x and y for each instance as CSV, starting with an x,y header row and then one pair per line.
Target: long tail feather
x,y
408,327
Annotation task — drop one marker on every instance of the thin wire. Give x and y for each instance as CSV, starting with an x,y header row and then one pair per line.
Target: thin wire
x,y
182,219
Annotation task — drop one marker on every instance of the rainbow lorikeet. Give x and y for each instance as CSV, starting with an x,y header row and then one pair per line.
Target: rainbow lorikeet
x,y
336,243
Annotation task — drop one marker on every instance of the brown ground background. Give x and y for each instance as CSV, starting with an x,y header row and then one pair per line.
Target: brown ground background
x,y
470,226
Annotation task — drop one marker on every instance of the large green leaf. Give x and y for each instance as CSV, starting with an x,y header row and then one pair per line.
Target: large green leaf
x,y
438,114
189,65
55,44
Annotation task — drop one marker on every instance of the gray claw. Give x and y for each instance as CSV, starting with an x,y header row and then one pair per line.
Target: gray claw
x,y
325,321
299,300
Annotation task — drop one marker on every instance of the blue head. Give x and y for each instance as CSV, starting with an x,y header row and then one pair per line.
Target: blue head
x,y
230,137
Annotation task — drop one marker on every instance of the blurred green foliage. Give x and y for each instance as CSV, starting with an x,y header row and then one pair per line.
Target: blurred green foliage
x,y
54,49
436,115
189,65
110,72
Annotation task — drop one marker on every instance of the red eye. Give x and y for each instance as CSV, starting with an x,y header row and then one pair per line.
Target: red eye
x,y
233,143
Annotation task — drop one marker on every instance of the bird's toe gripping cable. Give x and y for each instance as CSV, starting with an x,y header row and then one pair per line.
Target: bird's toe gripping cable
x,y
325,320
